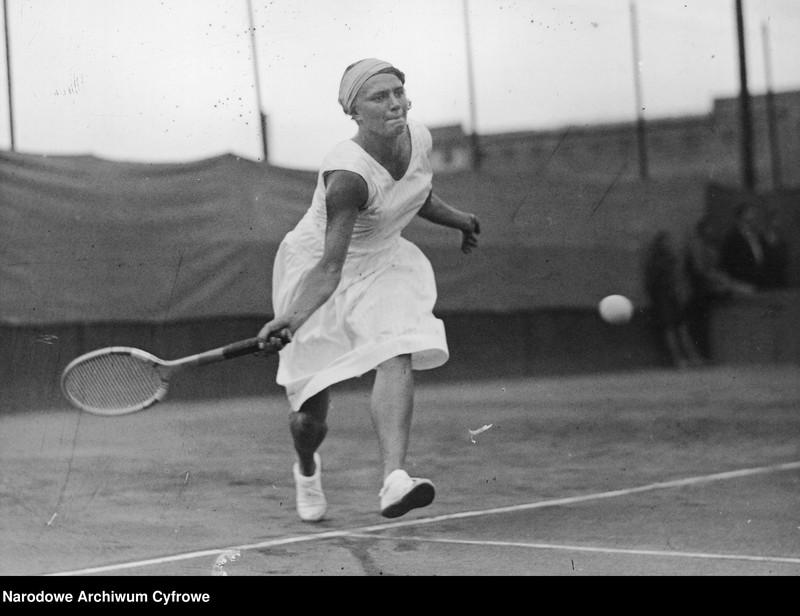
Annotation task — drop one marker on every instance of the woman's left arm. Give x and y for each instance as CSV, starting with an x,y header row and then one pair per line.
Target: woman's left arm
x,y
437,211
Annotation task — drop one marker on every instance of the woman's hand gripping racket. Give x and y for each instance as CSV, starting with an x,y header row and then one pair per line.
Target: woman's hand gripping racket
x,y
121,380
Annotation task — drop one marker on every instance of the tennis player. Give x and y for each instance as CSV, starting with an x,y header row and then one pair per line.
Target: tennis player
x,y
353,296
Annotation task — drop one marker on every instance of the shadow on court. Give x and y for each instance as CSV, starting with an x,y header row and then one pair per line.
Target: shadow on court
x,y
640,473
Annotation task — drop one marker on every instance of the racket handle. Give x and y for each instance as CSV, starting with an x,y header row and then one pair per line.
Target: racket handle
x,y
229,351
237,349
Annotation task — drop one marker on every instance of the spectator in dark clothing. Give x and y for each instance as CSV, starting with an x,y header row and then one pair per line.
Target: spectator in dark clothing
x,y
668,292
776,255
709,284
743,250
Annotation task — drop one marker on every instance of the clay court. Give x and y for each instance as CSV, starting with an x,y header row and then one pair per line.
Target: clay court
x,y
560,445
640,473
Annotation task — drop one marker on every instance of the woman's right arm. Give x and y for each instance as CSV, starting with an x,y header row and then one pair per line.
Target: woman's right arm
x,y
346,192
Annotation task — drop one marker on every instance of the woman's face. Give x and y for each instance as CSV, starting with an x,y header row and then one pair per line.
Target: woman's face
x,y
381,106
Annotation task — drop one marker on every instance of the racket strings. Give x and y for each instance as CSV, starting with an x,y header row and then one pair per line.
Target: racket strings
x,y
114,381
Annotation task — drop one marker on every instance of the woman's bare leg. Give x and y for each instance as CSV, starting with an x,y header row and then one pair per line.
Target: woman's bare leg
x,y
309,427
391,407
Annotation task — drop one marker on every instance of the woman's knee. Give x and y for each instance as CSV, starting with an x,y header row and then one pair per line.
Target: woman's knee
x,y
313,412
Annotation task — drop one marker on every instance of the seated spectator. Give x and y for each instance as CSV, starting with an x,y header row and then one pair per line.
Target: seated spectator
x,y
743,250
776,255
709,285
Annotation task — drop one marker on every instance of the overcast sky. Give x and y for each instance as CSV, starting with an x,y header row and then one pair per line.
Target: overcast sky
x,y
175,80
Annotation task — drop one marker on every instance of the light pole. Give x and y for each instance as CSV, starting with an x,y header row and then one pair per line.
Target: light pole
x,y
476,148
8,75
772,122
748,172
640,128
262,118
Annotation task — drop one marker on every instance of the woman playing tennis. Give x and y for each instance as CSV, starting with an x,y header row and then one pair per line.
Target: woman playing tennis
x,y
352,295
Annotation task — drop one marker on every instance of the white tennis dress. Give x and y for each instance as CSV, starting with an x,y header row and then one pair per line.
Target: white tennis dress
x,y
383,306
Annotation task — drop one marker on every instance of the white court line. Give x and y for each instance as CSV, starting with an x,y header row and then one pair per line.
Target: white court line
x,y
747,472
583,548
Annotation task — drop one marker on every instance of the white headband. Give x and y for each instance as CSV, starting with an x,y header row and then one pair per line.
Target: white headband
x,y
355,76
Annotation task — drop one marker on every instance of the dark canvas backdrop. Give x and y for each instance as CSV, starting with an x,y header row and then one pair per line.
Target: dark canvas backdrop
x,y
90,240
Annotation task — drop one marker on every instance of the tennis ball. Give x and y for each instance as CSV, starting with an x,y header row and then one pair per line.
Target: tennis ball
x,y
616,309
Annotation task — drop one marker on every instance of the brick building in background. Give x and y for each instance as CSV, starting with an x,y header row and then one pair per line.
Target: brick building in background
x,y
703,147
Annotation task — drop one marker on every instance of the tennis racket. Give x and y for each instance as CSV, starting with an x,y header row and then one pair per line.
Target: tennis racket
x,y
121,380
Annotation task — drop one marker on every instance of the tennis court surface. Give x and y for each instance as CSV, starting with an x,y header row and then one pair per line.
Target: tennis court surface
x,y
652,472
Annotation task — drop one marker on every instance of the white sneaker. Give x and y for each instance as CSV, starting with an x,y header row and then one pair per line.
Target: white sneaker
x,y
310,500
401,493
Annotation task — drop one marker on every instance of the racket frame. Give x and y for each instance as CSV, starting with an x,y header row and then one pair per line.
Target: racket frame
x,y
165,369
